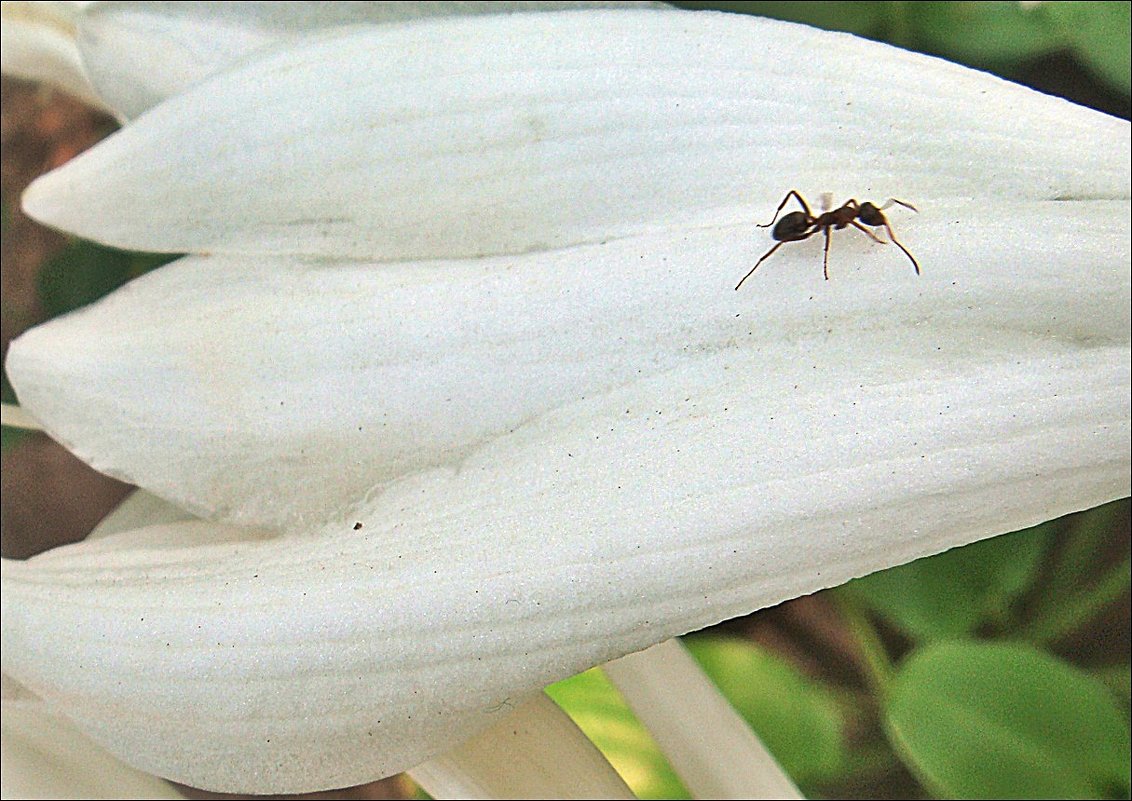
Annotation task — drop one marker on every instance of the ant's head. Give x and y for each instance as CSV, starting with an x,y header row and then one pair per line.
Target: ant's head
x,y
793,226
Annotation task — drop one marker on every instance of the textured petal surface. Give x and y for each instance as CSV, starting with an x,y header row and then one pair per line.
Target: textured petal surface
x,y
385,637
140,53
469,137
663,454
276,394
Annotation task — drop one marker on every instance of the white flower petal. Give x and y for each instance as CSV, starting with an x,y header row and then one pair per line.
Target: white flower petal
x,y
141,53
37,43
44,756
276,394
574,454
622,450
311,662
510,133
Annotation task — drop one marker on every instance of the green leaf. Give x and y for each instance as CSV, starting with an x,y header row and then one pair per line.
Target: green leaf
x,y
85,272
1005,720
985,34
599,710
1099,34
800,721
955,592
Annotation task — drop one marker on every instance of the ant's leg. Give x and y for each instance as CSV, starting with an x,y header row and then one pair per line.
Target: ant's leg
x,y
892,236
825,262
867,232
888,203
911,258
760,261
782,205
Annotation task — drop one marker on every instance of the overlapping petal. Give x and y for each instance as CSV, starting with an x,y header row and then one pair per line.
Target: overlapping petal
x,y
276,393
469,137
395,631
140,53
757,457
582,441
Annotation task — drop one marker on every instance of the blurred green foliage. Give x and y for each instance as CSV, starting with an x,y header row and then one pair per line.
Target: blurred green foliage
x,y
597,707
1098,34
1006,720
85,272
999,36
800,720
955,593
984,34
977,705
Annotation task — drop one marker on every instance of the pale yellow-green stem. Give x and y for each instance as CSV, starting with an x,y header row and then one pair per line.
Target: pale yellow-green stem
x,y
15,417
535,751
709,745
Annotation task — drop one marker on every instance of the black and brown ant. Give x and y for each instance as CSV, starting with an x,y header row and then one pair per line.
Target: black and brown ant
x,y
799,225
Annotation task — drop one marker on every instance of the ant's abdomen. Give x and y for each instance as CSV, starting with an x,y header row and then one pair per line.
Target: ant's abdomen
x,y
793,226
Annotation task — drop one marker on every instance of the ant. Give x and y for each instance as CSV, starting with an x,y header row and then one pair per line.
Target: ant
x,y
799,225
